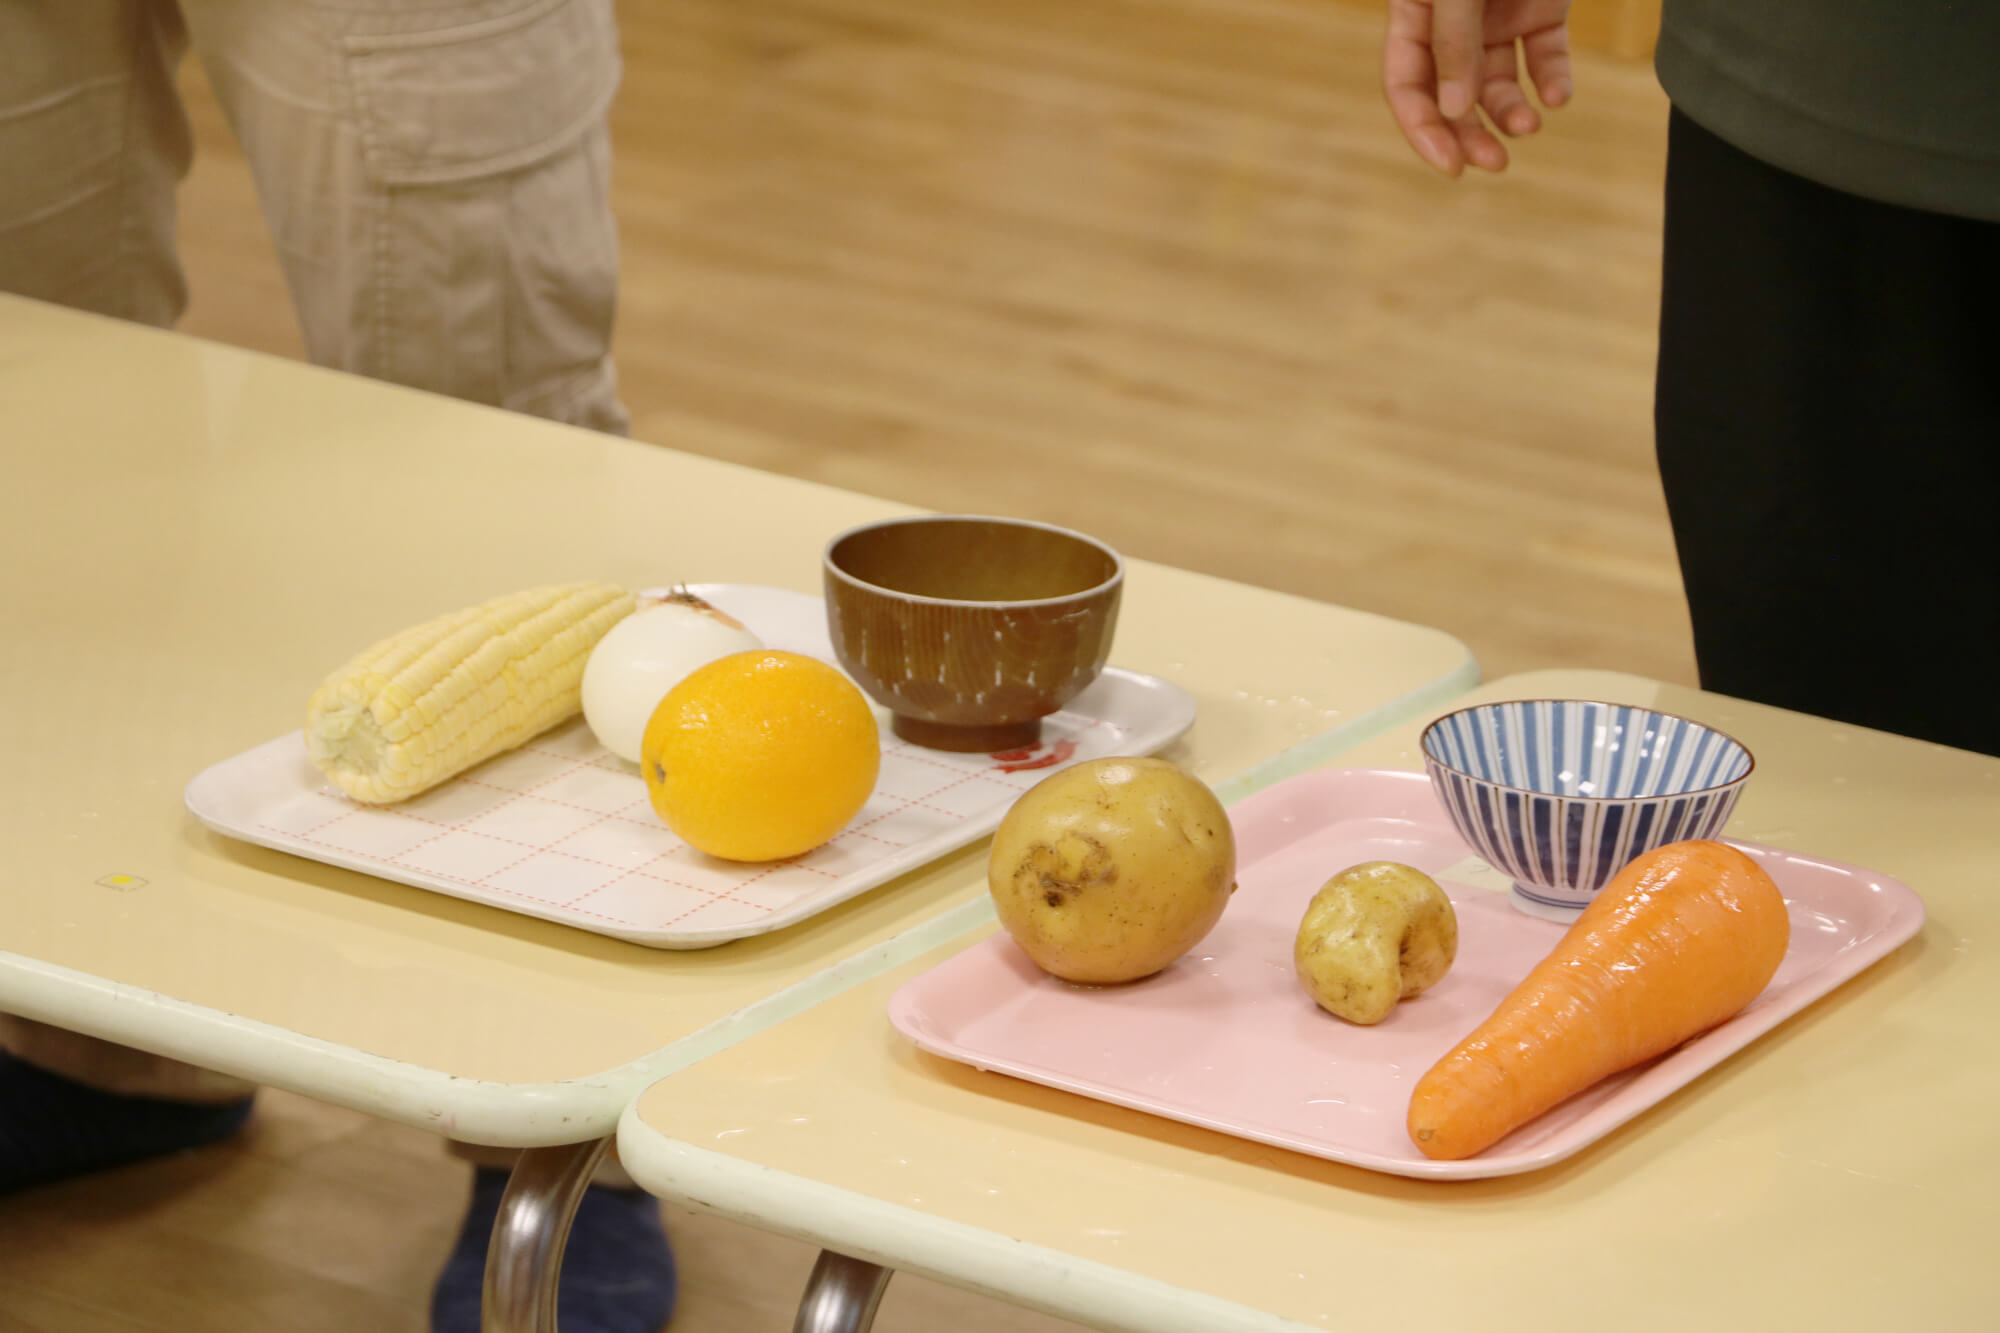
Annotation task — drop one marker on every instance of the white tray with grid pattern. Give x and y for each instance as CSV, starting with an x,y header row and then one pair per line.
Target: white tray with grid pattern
x,y
562,829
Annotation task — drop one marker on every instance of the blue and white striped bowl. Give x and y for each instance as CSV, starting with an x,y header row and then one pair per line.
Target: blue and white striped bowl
x,y
1560,793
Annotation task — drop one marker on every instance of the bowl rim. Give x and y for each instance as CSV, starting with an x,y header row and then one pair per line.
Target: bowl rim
x,y
1116,577
1423,748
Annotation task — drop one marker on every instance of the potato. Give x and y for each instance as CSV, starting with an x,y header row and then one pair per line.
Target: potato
x,y
1374,934
1111,869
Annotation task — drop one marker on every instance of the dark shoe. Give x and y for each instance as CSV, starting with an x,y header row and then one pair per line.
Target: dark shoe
x,y
617,1273
52,1128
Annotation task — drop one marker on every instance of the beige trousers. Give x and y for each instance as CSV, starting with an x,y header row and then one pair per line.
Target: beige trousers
x,y
435,174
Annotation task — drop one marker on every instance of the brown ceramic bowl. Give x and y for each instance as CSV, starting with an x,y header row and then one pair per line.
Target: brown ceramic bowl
x,y
968,629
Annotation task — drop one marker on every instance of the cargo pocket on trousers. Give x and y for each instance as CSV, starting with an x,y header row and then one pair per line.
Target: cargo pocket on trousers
x,y
491,271
477,99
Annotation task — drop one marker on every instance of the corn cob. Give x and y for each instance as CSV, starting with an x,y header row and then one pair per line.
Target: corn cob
x,y
425,705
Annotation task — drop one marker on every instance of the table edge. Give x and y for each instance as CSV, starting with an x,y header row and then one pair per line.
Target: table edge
x,y
909,1240
482,1111
528,1115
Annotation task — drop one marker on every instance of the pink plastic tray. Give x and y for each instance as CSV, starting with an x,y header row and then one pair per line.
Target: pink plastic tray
x,y
1227,1039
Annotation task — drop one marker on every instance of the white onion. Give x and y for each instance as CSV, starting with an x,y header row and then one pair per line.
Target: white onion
x,y
643,657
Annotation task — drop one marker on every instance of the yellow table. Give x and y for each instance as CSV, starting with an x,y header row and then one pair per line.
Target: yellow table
x,y
193,536
1840,1173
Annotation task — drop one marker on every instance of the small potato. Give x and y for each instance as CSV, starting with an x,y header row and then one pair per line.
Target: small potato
x,y
1374,934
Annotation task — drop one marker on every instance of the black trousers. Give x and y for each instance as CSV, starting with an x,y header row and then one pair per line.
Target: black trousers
x,y
1828,425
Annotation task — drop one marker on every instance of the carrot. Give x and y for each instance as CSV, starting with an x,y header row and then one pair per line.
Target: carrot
x,y
1680,940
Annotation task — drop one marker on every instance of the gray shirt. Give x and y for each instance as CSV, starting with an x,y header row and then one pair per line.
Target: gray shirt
x,y
1896,100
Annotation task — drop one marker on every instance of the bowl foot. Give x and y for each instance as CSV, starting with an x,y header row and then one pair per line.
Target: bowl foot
x,y
1537,904
968,740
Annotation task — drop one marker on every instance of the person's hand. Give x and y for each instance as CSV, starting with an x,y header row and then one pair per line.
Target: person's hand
x,y
1444,61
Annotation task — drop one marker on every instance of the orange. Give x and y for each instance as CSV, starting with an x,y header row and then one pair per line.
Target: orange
x,y
760,755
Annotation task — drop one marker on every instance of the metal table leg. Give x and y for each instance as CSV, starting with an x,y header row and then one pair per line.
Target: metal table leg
x,y
525,1255
841,1295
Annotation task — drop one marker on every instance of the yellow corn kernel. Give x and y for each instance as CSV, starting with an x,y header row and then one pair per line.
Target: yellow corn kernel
x,y
427,704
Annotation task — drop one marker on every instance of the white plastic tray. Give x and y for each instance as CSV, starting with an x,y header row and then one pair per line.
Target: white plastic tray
x,y
561,829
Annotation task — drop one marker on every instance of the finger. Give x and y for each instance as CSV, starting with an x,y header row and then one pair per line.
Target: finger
x,y
1409,82
1478,143
1546,53
1458,44
1500,94
1426,130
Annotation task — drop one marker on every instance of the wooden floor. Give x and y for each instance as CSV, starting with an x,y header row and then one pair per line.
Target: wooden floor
x,y
1158,270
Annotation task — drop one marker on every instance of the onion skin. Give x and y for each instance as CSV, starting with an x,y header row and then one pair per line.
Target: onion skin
x,y
644,656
